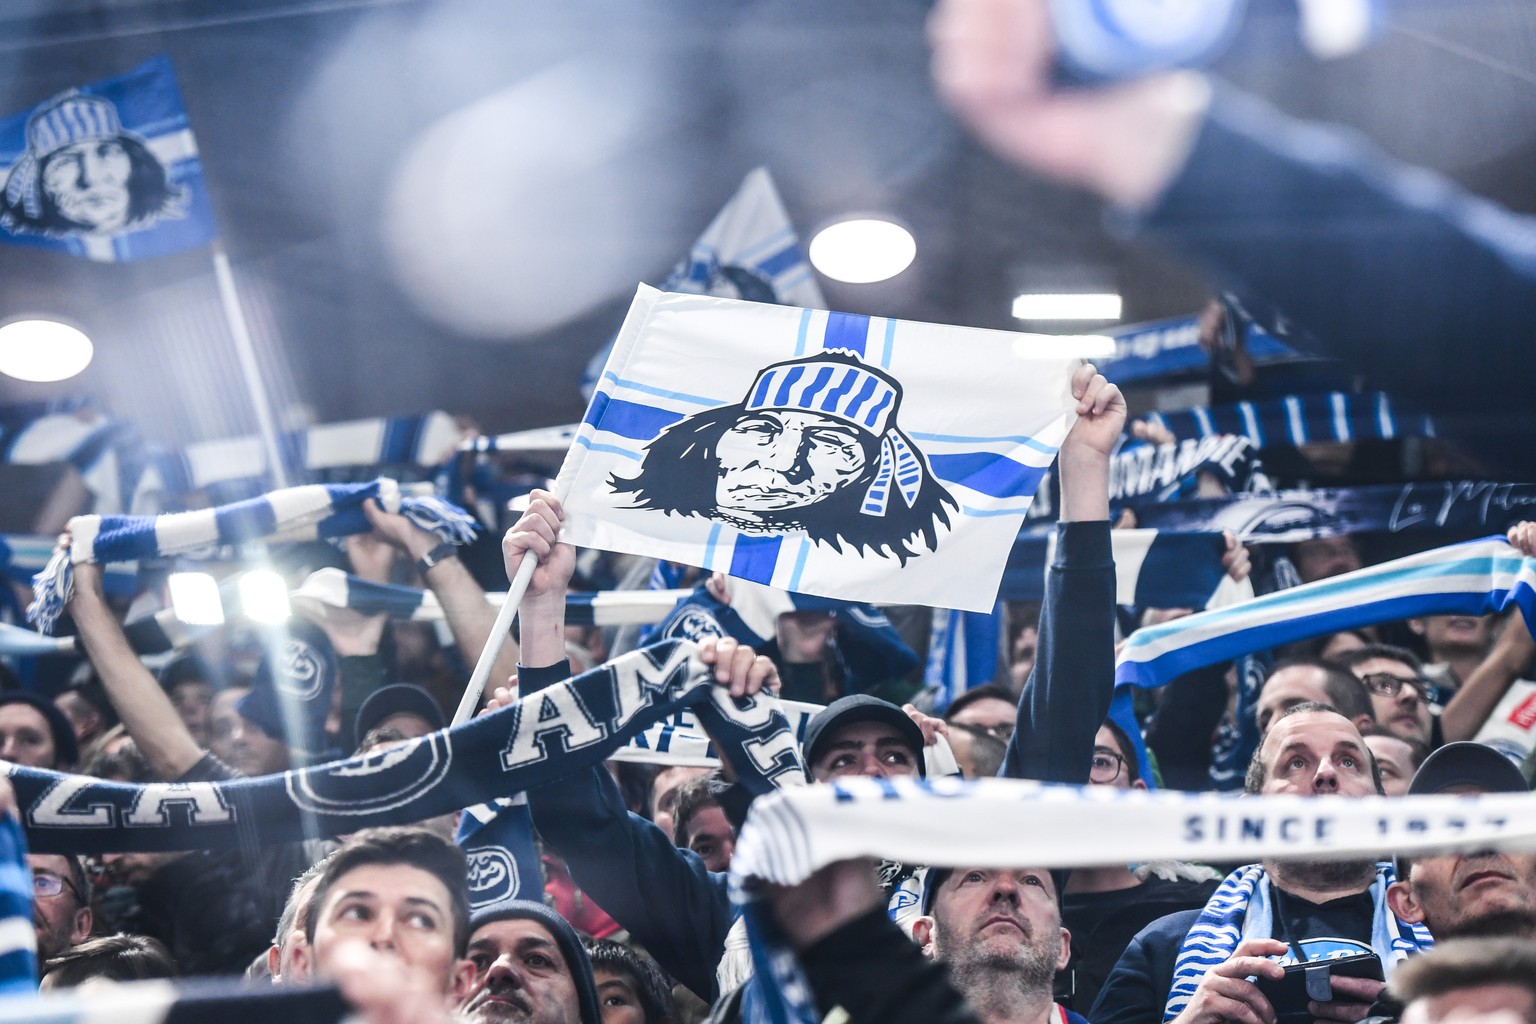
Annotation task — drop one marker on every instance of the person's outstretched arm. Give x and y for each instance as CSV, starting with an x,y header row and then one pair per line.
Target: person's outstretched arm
x,y
470,616
664,896
145,709
1067,695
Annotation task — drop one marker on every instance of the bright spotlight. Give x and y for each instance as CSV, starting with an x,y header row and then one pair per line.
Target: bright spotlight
x,y
43,350
264,596
195,598
1086,306
863,251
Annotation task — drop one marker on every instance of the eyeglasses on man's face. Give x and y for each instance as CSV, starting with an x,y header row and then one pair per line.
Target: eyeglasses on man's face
x,y
48,885
1105,767
1385,684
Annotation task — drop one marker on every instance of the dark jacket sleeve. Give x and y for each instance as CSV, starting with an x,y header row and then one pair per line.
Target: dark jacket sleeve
x,y
1067,695
1425,289
665,897
877,974
1137,989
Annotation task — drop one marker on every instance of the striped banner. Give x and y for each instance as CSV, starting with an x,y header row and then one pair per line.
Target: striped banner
x,y
1302,419
1478,577
236,468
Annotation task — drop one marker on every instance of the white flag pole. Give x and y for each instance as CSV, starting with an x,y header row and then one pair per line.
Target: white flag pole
x,y
250,372
499,633
645,298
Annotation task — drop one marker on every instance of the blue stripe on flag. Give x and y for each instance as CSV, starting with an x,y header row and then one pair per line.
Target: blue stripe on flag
x,y
780,261
890,343
754,558
863,396
781,397
630,419
817,383
846,330
994,475
595,408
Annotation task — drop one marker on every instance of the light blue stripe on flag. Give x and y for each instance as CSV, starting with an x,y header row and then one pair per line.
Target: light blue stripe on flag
x,y
754,558
994,475
890,343
800,335
803,549
847,331
780,261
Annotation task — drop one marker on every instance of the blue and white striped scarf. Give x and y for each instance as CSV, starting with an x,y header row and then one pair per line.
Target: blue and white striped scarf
x,y
327,589
18,940
1302,419
234,468
295,513
1242,908
1474,578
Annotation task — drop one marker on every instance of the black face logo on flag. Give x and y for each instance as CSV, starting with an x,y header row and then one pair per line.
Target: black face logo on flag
x,y
814,445
83,174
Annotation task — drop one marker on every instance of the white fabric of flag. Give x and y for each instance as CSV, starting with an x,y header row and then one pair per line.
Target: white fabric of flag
x,y
849,456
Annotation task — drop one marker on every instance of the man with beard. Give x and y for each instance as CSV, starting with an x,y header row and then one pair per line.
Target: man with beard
x,y
1263,915
61,903
999,932
529,968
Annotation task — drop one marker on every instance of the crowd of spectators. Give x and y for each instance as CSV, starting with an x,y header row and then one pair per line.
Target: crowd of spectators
x,y
634,921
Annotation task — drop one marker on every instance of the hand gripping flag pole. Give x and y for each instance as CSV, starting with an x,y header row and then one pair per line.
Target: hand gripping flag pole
x,y
493,644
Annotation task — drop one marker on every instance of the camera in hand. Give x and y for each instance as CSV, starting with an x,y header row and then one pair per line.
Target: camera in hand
x,y
1312,981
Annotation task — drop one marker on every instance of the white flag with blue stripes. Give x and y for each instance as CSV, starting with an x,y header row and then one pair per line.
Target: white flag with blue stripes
x,y
826,453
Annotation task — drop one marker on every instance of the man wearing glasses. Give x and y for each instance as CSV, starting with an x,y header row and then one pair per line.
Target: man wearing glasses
x,y
1400,695
1104,908
61,903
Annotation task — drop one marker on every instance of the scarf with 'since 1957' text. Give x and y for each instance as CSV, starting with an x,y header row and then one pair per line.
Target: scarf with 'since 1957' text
x,y
1010,823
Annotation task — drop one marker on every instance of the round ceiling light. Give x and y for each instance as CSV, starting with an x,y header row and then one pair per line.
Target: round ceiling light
x,y
863,251
43,350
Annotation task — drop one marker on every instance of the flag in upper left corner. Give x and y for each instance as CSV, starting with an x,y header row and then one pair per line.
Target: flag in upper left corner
x,y
108,171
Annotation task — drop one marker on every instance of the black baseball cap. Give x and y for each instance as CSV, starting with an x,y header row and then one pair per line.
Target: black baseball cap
x,y
1466,766
1470,766
396,699
861,707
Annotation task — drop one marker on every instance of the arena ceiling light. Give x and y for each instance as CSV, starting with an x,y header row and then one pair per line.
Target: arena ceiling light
x,y
1067,306
264,596
862,250
195,598
43,350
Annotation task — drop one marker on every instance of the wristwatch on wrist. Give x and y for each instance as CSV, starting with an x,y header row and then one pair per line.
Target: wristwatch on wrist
x,y
441,553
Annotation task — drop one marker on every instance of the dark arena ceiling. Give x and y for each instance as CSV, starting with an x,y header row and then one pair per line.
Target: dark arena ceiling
x,y
447,203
